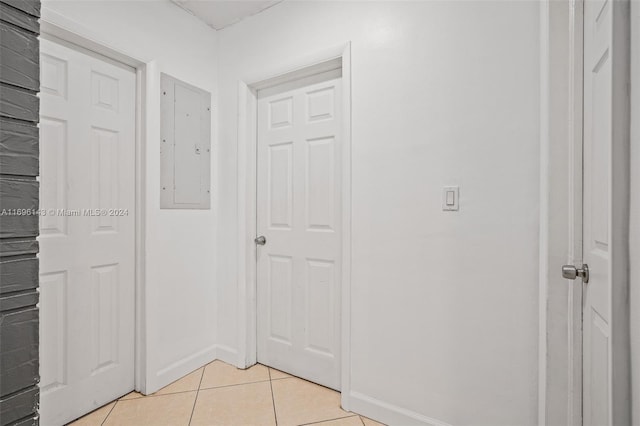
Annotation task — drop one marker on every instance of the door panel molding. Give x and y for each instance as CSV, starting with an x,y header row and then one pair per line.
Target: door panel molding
x,y
299,212
59,29
606,348
93,306
247,210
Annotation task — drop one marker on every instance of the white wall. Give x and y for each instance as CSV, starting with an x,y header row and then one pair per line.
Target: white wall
x,y
179,261
445,305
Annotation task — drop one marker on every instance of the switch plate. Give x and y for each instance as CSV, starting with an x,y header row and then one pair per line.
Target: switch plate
x,y
450,198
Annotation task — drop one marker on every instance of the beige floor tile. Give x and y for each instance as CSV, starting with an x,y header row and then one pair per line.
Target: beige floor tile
x,y
242,405
346,421
94,418
190,382
277,374
300,402
169,410
131,395
219,374
368,422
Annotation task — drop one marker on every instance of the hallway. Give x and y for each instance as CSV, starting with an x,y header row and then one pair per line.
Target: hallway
x,y
426,212
257,396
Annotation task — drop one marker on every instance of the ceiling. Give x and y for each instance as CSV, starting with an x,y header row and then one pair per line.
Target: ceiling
x,y
222,13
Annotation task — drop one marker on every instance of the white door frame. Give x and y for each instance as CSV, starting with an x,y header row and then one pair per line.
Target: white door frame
x,y
247,209
58,32
560,300
575,175
575,213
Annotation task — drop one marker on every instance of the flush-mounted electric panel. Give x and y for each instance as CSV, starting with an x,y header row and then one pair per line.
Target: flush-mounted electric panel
x,y
185,145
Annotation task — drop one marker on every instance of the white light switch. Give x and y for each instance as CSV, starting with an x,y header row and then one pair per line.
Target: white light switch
x,y
450,195
451,198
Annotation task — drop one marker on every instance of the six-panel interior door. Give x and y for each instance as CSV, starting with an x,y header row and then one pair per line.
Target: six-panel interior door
x,y
605,316
299,213
87,190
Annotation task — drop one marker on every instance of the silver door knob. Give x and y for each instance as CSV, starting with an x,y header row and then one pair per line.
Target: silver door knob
x,y
570,272
261,240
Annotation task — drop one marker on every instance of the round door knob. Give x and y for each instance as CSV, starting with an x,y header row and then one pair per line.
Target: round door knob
x,y
570,272
261,240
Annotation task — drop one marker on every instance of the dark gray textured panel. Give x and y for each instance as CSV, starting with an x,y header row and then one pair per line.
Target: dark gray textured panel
x,y
18,247
33,420
18,275
18,351
19,82
19,57
17,301
18,205
18,18
18,103
19,148
18,406
32,7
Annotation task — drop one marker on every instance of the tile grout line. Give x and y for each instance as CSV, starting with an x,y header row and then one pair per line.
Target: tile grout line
x,y
330,420
270,379
109,413
153,395
236,384
197,393
273,399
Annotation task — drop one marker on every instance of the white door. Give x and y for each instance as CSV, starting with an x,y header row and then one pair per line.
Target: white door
x,y
87,190
299,214
605,316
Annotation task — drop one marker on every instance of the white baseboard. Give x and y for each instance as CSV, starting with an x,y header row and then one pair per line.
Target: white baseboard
x,y
191,363
388,413
180,369
227,354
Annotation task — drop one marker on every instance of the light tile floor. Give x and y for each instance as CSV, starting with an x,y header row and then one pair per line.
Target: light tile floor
x,y
220,394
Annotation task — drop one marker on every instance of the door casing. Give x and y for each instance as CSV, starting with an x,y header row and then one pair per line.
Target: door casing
x,y
560,223
57,33
247,192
